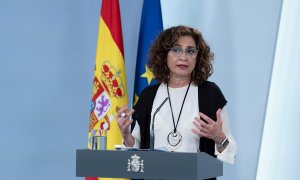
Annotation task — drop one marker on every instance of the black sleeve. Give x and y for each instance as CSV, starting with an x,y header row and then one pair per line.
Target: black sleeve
x,y
219,97
142,113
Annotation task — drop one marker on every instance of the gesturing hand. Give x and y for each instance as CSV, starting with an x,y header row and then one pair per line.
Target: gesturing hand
x,y
124,121
209,128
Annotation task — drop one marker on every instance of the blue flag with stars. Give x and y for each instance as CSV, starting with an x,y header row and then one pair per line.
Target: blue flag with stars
x,y
151,26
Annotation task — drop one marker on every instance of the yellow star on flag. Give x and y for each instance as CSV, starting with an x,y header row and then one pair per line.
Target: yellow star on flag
x,y
136,98
148,74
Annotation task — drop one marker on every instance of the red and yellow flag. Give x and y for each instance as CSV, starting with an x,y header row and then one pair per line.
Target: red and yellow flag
x,y
109,87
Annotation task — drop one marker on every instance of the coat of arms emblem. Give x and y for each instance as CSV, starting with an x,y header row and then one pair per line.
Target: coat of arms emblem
x,y
135,164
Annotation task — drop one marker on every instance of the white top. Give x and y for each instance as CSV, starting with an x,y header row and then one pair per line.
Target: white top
x,y
163,124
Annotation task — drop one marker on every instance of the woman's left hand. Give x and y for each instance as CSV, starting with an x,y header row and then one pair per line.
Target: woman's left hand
x,y
209,128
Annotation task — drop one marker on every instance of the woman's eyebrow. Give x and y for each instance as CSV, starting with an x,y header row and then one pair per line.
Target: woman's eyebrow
x,y
181,45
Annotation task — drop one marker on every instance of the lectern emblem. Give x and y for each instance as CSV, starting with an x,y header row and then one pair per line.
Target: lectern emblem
x,y
135,164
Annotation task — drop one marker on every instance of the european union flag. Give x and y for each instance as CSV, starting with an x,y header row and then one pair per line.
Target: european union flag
x,y
151,26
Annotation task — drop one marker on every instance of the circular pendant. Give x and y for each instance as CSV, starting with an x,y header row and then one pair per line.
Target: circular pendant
x,y
174,140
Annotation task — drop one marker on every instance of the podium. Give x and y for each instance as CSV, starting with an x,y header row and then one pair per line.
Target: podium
x,y
146,164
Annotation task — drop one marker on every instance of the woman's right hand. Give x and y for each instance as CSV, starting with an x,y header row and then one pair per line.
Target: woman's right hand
x,y
124,121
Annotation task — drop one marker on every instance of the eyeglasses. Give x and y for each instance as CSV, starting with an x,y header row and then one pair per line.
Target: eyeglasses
x,y
190,52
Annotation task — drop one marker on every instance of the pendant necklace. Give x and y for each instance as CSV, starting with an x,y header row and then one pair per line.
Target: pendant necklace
x,y
175,138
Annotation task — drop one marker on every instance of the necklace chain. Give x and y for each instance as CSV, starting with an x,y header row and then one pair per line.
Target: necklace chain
x,y
175,126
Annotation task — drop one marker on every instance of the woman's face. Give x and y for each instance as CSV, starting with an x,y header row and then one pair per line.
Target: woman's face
x,y
181,59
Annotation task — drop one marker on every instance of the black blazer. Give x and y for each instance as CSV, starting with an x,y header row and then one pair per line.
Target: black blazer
x,y
210,99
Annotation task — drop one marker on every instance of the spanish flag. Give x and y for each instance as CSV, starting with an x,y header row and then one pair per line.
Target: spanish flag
x,y
109,85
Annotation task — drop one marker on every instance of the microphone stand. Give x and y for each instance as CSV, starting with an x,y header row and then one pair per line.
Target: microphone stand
x,y
152,136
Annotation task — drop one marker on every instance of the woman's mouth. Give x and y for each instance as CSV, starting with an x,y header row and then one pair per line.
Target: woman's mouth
x,y
182,66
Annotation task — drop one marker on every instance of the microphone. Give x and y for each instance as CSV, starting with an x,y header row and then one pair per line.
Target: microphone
x,y
152,137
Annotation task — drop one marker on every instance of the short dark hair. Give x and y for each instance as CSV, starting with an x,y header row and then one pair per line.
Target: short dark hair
x,y
157,60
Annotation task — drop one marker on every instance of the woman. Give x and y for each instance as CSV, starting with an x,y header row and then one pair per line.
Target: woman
x,y
194,116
